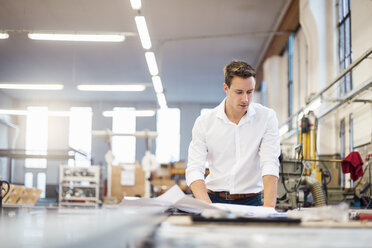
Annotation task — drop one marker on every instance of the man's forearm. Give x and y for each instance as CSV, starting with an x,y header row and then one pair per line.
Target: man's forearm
x,y
270,190
199,190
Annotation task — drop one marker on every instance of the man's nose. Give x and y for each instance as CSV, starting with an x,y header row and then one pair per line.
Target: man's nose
x,y
245,98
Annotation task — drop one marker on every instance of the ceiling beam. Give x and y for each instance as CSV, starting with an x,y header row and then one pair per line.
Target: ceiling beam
x,y
289,23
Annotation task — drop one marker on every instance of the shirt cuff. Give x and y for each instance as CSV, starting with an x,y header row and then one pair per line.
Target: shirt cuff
x,y
192,176
270,168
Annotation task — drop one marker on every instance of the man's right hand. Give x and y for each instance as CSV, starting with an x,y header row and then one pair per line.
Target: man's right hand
x,y
199,190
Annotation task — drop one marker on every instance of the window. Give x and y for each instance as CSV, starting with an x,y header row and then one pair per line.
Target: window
x,y
342,148
168,140
290,76
351,133
41,182
124,147
80,134
36,144
344,30
36,136
29,179
263,93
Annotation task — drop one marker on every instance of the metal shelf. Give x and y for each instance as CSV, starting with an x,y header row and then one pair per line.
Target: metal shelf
x,y
94,185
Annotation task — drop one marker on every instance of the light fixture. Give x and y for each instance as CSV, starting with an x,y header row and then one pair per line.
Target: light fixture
x,y
112,87
4,36
139,113
151,63
136,4
27,112
161,100
143,32
59,113
78,37
15,86
13,112
156,81
314,105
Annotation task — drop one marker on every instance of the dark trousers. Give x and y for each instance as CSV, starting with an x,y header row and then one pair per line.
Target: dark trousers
x,y
251,201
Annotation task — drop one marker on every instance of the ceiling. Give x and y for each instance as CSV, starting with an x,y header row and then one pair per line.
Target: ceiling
x,y
192,41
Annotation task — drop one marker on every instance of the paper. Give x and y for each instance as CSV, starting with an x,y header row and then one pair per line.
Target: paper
x,y
248,211
128,175
175,197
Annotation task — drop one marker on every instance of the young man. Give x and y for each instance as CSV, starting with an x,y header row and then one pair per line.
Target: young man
x,y
240,140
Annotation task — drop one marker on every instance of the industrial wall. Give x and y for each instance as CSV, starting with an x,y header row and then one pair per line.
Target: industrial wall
x,y
58,130
315,66
6,133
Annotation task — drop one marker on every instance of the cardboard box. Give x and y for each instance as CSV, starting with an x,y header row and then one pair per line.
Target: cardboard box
x,y
162,185
163,172
179,165
119,191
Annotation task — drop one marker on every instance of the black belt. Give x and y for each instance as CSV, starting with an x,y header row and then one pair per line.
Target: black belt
x,y
228,196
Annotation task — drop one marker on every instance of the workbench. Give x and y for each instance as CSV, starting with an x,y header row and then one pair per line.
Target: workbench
x,y
180,231
153,227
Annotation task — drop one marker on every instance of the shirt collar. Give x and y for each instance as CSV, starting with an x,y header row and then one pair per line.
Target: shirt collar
x,y
222,114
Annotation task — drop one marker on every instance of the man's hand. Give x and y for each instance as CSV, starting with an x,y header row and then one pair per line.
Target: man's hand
x,y
199,190
270,190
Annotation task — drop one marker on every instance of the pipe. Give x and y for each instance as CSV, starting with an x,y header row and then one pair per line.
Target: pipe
x,y
316,190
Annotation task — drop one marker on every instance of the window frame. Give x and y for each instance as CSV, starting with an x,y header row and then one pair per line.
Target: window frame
x,y
344,44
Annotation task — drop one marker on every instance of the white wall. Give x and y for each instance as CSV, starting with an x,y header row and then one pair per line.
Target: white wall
x,y
361,16
275,76
58,129
316,65
6,133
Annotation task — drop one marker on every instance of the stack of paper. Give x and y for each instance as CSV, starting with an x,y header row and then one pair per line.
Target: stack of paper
x,y
175,198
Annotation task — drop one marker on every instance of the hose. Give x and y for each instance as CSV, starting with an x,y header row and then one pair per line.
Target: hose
x,y
316,190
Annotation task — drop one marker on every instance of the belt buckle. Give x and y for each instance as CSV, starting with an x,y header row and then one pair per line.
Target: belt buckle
x,y
226,196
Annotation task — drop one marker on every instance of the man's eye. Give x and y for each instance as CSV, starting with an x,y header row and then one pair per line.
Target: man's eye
x,y
238,92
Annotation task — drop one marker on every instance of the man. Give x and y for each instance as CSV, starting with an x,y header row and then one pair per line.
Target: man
x,y
240,140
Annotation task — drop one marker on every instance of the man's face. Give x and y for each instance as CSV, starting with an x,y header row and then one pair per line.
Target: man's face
x,y
240,93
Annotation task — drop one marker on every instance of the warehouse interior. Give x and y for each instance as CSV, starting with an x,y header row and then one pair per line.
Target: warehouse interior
x,y
94,135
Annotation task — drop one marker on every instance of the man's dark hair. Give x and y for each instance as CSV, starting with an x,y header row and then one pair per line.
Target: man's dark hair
x,y
237,68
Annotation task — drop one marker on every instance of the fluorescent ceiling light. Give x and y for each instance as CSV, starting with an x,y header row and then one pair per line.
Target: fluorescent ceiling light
x,y
136,4
314,105
13,112
145,113
14,86
4,36
151,63
59,113
27,112
161,100
139,113
113,87
157,84
78,37
143,32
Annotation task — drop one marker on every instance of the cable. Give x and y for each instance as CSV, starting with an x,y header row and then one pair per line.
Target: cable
x,y
317,154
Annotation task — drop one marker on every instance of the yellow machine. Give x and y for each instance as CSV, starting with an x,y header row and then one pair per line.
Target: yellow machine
x,y
307,139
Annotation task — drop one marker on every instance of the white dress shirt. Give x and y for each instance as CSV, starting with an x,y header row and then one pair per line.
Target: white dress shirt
x,y
238,154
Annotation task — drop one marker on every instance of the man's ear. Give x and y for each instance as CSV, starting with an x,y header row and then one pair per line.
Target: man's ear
x,y
225,87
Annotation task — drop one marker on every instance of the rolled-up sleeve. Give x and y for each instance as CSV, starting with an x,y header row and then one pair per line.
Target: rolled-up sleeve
x,y
197,154
270,147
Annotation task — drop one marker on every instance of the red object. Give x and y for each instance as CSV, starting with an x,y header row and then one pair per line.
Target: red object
x,y
365,216
353,164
